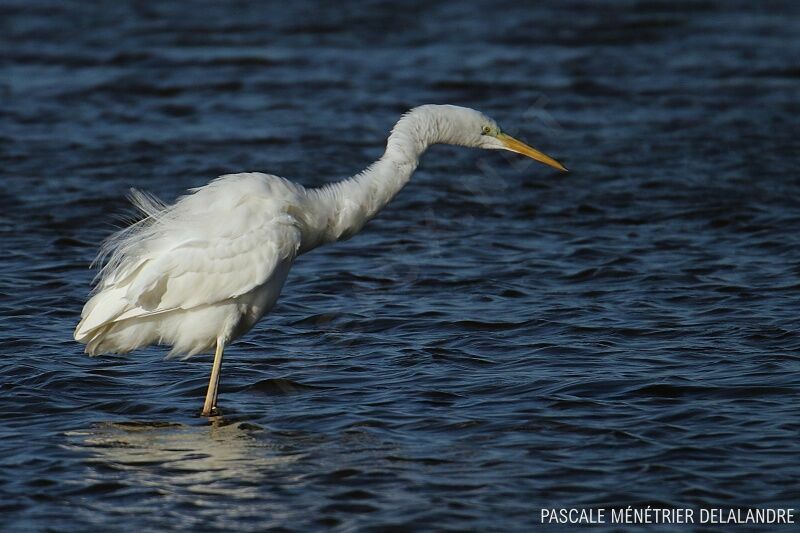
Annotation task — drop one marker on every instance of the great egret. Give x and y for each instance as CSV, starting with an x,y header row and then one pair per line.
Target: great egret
x,y
201,272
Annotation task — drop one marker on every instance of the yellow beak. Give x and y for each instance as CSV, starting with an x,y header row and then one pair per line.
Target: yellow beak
x,y
521,148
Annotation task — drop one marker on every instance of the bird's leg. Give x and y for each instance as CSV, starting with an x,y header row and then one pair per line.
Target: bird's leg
x,y
213,382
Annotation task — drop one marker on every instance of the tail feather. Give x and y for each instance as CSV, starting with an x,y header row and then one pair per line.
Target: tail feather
x,y
121,337
102,308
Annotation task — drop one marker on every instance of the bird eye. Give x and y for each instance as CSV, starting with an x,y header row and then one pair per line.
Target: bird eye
x,y
487,130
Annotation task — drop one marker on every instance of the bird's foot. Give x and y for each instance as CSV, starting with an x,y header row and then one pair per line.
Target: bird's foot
x,y
213,412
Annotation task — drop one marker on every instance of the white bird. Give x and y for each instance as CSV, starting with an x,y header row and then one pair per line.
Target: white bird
x,y
201,272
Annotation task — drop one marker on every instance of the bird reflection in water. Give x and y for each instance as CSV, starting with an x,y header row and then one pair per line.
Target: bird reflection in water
x,y
184,461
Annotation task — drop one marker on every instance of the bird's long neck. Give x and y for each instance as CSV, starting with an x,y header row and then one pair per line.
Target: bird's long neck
x,y
339,210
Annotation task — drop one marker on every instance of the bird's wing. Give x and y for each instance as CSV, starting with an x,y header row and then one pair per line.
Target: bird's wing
x,y
205,271
188,258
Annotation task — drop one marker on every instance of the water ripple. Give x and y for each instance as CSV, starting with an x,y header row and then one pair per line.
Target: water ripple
x,y
499,340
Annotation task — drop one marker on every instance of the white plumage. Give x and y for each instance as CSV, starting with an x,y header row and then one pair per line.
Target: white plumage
x,y
202,268
201,272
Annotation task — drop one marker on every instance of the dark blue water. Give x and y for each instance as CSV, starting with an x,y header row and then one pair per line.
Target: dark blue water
x,y
500,339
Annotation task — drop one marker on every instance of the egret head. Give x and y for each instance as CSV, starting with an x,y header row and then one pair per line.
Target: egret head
x,y
467,127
